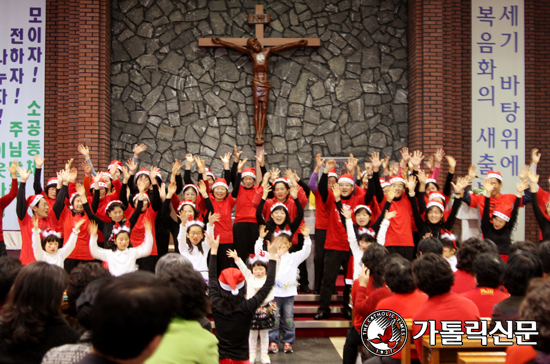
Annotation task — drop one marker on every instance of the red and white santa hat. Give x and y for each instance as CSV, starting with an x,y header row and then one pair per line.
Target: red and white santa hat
x,y
436,194
231,280
448,235
278,204
220,182
108,175
143,171
249,172
504,211
285,180
346,178
397,179
209,173
332,173
359,207
49,232
186,202
34,200
431,180
51,182
71,199
101,184
384,183
493,174
111,203
436,204
116,163
193,187
146,196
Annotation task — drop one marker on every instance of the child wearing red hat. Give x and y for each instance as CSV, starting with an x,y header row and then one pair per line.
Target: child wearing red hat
x,y
505,215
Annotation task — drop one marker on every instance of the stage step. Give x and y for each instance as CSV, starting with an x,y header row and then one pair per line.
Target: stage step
x,y
312,310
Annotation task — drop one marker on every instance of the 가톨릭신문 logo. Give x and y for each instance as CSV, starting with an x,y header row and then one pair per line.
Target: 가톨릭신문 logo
x,y
384,332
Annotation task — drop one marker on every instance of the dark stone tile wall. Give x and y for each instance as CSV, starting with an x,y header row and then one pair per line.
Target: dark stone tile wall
x,y
348,96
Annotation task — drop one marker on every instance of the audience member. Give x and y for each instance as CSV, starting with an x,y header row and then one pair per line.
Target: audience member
x,y
545,256
9,267
430,245
469,250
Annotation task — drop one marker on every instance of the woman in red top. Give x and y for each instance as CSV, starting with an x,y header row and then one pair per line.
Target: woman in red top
x,y
5,201
464,280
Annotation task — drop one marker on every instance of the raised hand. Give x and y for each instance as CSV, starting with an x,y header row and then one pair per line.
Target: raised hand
x,y
290,175
189,160
35,224
202,189
452,163
411,183
125,174
294,191
78,224
534,179
214,243
114,171
389,215
81,190
390,194
213,218
241,165
461,184
535,156
336,191
138,149
422,178
346,213
132,166
97,178
66,175
13,168
225,160
305,230
73,175
329,165
522,186
405,155
92,228
141,185
260,158
416,158
172,187
275,173
263,232
429,163
84,150
232,254
375,160
154,171
439,154
351,164
472,172
394,169
488,187
267,188
265,180
236,154
385,163
318,162
69,163
273,247
39,161
87,168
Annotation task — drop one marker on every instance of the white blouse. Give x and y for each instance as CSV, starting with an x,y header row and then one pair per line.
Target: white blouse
x,y
57,258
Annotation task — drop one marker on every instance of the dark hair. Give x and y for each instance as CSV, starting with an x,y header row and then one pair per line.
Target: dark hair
x,y
113,205
228,302
363,208
172,261
86,300
488,269
191,289
9,267
433,274
374,259
398,274
524,246
271,226
430,245
521,268
50,238
82,275
366,237
285,184
536,307
111,243
35,298
190,245
129,312
468,252
448,243
259,263
545,256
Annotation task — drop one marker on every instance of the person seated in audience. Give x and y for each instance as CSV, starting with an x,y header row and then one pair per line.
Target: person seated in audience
x,y
488,271
186,341
9,267
406,298
520,269
434,276
544,255
72,353
525,246
129,318
31,321
469,250
535,307
429,245
450,249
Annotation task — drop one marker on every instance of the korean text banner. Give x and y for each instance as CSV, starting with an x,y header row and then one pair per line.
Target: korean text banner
x,y
22,58
498,93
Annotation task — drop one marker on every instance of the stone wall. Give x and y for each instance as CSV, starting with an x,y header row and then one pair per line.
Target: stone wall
x,y
348,96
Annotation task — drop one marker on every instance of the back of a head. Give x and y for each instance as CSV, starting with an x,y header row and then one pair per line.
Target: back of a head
x,y
191,288
430,245
80,277
374,259
9,267
129,312
468,252
398,274
86,300
524,246
172,261
520,269
433,274
536,307
544,255
489,270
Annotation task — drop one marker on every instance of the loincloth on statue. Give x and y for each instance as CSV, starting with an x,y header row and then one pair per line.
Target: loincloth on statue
x,y
261,90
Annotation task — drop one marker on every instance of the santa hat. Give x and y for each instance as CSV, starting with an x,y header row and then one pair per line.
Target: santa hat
x,y
497,175
49,232
142,171
116,163
280,231
72,199
363,173
504,211
51,182
249,172
384,183
101,184
285,180
108,175
448,235
359,207
231,280
261,256
193,187
436,204
34,200
396,179
137,195
111,203
278,204
192,222
436,194
332,173
220,182
209,173
186,202
346,178
432,180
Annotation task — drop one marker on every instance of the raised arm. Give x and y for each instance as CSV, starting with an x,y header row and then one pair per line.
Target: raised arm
x,y
36,242
144,250
301,43
37,185
21,206
234,46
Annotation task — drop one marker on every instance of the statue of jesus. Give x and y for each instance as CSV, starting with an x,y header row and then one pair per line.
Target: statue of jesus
x,y
260,82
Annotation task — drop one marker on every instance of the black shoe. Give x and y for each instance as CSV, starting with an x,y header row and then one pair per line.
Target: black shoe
x,y
316,292
346,315
304,289
322,316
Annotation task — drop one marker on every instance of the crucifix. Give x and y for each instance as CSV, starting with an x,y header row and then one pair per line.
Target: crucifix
x,y
259,49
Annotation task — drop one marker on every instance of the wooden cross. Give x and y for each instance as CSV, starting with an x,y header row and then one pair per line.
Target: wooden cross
x,y
259,19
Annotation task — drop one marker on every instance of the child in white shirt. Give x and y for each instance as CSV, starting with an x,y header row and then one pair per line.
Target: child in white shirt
x,y
449,249
122,258
51,249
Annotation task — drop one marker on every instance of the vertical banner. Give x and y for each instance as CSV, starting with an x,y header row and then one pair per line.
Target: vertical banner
x,y
22,58
498,93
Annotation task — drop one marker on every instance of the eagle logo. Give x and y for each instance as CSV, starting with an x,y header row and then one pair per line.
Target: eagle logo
x,y
384,332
